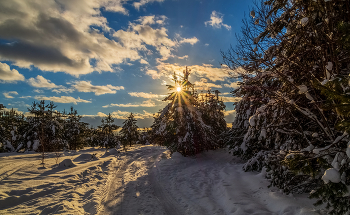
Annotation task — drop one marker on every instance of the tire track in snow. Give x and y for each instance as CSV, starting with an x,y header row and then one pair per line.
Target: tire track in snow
x,y
132,186
114,180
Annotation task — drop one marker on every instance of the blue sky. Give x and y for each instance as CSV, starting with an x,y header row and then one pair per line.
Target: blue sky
x,y
113,56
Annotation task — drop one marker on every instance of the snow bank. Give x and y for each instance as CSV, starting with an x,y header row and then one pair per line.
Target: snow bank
x,y
113,151
176,155
85,157
332,175
67,163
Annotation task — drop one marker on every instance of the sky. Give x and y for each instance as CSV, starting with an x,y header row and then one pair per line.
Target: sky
x,y
114,56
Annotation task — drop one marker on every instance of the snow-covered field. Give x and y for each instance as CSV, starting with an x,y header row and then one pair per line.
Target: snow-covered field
x,y
143,180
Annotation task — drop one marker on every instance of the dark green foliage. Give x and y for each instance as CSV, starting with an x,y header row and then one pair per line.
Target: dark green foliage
x,y
129,132
109,139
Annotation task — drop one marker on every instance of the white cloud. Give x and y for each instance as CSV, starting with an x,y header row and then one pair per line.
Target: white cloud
x,y
41,82
231,99
86,86
8,75
154,74
143,33
229,112
207,44
191,41
65,36
216,21
145,95
19,104
99,114
63,99
123,115
141,3
115,6
183,57
148,103
230,115
25,97
232,85
226,93
142,61
202,71
60,36
15,109
204,85
8,94
38,91
140,34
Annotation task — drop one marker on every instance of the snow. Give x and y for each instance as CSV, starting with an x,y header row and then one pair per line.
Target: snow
x,y
252,121
67,163
304,21
302,89
36,145
329,66
309,148
262,134
332,175
85,157
143,180
308,96
29,143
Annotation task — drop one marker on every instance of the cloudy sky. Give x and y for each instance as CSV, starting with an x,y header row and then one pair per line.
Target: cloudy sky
x,y
113,56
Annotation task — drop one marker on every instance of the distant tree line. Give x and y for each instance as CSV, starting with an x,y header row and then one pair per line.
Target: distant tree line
x,y
47,130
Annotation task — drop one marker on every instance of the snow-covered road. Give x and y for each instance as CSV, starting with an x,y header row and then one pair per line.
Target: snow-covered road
x,y
143,180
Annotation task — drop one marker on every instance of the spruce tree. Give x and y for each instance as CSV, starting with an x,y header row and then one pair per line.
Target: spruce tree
x,y
107,128
73,134
129,132
180,125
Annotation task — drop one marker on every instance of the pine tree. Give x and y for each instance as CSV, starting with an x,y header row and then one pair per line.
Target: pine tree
x,y
294,60
129,132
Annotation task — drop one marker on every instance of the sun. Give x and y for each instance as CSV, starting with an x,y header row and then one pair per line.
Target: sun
x,y
178,89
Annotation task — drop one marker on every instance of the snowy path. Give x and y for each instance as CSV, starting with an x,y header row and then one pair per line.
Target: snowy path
x,y
143,180
214,183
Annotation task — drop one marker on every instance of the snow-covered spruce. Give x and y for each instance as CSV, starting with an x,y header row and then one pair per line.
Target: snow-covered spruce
x,y
293,118
189,124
